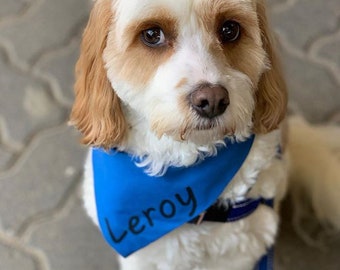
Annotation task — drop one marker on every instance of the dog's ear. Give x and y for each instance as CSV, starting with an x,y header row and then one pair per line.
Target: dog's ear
x,y
271,95
97,111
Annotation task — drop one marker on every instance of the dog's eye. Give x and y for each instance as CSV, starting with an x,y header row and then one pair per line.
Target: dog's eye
x,y
153,37
230,31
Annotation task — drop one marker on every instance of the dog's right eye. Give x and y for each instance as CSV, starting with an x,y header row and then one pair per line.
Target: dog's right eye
x,y
153,37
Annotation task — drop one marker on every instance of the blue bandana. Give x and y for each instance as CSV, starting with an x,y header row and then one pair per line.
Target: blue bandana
x,y
135,209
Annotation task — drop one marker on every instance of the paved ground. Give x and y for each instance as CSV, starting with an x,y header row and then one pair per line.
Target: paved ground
x,y
42,224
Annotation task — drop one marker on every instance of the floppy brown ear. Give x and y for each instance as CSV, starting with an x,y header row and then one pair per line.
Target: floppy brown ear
x,y
96,111
271,95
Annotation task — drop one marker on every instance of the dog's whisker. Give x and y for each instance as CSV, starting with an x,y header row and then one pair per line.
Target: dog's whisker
x,y
184,131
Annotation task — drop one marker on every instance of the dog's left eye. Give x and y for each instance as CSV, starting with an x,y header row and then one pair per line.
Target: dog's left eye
x,y
230,31
153,37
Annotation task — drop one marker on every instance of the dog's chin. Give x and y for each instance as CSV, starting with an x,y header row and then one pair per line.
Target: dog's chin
x,y
192,128
207,136
206,133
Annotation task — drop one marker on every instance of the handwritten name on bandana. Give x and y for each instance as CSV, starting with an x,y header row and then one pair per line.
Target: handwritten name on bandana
x,y
135,209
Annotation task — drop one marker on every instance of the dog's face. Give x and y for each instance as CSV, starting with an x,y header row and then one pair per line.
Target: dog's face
x,y
195,70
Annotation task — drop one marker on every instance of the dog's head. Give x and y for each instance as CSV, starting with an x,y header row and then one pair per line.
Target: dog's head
x,y
190,70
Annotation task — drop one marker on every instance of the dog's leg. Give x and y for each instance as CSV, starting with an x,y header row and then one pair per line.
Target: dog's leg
x,y
135,262
88,190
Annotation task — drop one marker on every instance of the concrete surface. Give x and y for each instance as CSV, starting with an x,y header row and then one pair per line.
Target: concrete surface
x,y
42,223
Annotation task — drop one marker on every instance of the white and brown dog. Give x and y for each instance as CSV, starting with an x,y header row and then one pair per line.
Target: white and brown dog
x,y
167,81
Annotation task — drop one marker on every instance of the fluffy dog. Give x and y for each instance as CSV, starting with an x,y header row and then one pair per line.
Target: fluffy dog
x,y
169,82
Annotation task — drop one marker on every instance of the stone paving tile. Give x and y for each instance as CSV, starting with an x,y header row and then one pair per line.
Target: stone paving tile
x,y
272,3
12,7
13,259
49,26
330,50
6,157
25,102
307,20
294,254
73,242
38,181
59,65
311,87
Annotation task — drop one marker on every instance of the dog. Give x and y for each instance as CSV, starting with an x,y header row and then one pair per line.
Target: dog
x,y
171,85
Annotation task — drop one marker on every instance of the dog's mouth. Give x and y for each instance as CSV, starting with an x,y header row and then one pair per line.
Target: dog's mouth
x,y
200,123
206,127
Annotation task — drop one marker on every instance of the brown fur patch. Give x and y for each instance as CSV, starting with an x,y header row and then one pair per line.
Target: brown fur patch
x,y
132,60
245,54
271,95
182,83
96,111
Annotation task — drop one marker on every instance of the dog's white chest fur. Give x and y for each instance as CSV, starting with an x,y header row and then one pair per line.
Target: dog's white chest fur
x,y
236,245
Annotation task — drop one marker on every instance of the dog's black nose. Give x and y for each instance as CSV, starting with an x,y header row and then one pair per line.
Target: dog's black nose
x,y
209,100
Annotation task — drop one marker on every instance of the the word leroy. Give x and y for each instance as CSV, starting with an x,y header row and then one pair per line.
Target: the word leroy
x,y
167,209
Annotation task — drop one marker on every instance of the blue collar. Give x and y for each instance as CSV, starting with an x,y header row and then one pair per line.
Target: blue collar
x,y
231,212
135,209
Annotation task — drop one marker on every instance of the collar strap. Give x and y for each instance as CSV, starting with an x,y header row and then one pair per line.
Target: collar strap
x,y
233,212
267,261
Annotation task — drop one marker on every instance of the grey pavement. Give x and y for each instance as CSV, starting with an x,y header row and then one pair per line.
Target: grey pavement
x,y
42,223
